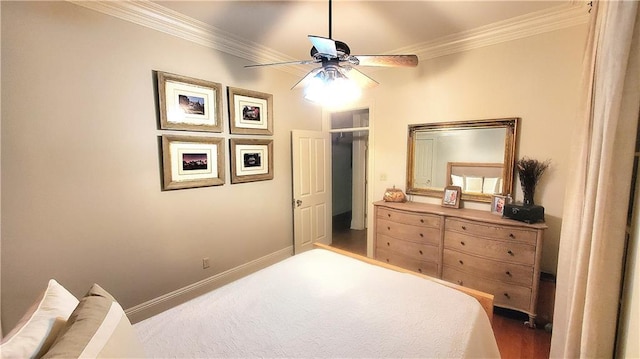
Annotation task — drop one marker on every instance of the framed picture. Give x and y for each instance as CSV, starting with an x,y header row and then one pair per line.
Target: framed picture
x,y
250,112
451,196
190,161
189,104
251,160
497,204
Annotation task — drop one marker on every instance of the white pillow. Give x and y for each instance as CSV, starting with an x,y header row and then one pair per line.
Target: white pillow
x,y
473,184
457,181
490,185
39,326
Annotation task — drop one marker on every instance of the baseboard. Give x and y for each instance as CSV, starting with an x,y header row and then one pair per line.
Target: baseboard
x,y
170,300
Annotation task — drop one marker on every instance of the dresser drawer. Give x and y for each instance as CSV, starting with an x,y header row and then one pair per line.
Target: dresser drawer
x,y
491,231
416,265
486,268
508,251
416,219
408,232
505,295
420,251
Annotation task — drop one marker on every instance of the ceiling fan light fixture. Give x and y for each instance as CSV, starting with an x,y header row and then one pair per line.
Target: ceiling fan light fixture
x,y
329,88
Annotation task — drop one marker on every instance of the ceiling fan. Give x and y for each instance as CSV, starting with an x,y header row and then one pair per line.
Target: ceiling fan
x,y
336,61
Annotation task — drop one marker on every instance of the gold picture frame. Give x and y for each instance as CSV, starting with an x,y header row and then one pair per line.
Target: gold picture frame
x,y
251,160
192,161
189,104
250,112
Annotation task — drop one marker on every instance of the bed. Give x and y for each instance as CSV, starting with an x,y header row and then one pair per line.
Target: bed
x,y
321,303
324,304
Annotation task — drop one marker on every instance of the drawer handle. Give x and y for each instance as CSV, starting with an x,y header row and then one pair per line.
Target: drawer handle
x,y
387,260
420,270
507,295
510,252
388,244
421,235
389,214
464,228
459,282
461,262
462,242
511,235
388,228
508,273
420,251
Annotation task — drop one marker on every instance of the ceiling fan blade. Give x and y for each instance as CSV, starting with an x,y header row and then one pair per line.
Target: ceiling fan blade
x,y
386,60
303,82
362,80
325,46
298,62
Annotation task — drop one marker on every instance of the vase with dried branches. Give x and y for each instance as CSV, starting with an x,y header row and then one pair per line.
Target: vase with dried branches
x,y
529,172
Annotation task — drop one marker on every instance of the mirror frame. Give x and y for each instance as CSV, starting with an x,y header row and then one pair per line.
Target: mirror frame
x,y
511,128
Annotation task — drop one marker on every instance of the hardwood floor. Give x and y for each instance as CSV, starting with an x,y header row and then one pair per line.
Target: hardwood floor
x,y
514,338
354,241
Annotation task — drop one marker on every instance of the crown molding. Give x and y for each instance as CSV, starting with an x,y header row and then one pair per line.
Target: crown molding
x,y
556,18
157,17
160,18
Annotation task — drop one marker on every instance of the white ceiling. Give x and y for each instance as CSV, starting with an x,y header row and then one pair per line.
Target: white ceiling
x,y
368,27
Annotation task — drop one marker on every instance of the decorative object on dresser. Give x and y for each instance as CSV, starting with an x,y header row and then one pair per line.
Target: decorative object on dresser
x,y
529,172
451,197
472,248
394,195
498,202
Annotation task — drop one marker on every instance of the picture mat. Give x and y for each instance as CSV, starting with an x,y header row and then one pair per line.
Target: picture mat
x,y
176,149
175,114
240,102
242,170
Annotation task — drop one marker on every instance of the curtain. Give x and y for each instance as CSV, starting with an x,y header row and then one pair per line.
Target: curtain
x,y
597,194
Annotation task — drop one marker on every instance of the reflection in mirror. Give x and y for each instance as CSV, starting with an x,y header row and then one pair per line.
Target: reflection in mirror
x,y
477,156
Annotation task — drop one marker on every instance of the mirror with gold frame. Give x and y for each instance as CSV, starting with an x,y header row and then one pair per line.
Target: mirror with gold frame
x,y
477,156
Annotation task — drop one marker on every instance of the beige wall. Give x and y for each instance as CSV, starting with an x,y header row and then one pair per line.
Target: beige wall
x,y
81,198
535,78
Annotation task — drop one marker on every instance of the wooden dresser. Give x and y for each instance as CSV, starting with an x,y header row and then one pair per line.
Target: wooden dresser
x,y
473,248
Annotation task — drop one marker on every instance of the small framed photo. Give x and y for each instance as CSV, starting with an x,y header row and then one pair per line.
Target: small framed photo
x,y
497,204
451,197
251,160
250,112
191,161
189,104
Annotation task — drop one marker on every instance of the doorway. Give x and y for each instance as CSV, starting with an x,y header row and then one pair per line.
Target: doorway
x,y
349,154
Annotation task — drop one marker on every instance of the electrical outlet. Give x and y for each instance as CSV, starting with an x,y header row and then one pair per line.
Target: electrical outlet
x,y
205,263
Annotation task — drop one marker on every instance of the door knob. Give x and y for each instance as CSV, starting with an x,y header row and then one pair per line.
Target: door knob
x,y
298,203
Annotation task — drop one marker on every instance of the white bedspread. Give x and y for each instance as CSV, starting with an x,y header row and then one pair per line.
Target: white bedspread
x,y
322,304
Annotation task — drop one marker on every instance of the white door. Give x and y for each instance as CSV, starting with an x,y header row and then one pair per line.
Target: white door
x,y
310,152
423,163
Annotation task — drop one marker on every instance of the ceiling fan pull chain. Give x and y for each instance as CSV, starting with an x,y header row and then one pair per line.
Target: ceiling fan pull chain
x,y
331,37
